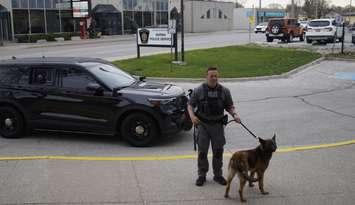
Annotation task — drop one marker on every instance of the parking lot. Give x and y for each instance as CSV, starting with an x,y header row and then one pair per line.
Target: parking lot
x,y
311,107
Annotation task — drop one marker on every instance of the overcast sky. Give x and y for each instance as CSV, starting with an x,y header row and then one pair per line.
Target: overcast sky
x,y
264,3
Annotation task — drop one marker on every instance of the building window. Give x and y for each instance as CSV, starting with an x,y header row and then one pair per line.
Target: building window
x,y
40,4
67,21
33,4
53,25
15,4
21,21
209,13
24,4
147,18
37,21
219,14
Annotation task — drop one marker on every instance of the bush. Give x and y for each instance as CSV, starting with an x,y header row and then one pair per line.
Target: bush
x,y
49,37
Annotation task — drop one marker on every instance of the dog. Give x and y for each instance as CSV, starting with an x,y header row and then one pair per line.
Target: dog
x,y
253,160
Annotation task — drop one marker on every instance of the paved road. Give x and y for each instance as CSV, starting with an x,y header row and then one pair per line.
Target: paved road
x,y
314,106
120,47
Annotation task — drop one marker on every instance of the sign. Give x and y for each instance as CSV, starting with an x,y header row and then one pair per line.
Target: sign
x,y
80,8
251,20
338,19
172,26
154,37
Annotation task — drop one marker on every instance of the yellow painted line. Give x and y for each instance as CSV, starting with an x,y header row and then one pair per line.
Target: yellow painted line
x,y
174,157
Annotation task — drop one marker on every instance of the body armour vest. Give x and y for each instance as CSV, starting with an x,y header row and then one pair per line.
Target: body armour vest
x,y
211,106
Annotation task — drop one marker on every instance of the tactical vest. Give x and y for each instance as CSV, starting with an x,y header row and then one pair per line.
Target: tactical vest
x,y
211,107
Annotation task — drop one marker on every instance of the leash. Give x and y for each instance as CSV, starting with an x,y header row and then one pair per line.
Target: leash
x,y
245,127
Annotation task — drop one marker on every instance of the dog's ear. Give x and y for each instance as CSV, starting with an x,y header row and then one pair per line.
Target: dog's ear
x,y
274,137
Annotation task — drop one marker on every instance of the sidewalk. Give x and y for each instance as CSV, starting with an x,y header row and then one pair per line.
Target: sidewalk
x,y
324,176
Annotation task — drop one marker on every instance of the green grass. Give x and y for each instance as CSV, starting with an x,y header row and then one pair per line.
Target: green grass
x,y
232,61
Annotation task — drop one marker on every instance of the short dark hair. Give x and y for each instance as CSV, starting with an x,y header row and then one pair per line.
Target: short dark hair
x,y
211,68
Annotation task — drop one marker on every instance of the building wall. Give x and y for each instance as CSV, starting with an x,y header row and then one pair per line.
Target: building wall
x,y
240,18
202,16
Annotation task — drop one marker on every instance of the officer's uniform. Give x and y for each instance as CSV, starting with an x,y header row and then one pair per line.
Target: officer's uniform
x,y
209,105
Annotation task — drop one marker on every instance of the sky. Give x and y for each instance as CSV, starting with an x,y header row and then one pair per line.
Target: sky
x,y
264,3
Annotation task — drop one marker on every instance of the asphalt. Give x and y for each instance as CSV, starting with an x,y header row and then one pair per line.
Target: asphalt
x,y
322,176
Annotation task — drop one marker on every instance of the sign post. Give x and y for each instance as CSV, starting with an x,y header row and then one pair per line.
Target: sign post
x,y
339,20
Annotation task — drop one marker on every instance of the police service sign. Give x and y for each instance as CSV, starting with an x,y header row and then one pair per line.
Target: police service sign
x,y
154,37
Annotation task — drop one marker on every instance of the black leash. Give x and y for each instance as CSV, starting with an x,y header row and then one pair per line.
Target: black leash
x,y
245,127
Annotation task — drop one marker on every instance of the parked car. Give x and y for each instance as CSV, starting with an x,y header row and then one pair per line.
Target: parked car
x,y
353,37
284,29
303,24
87,95
323,30
261,27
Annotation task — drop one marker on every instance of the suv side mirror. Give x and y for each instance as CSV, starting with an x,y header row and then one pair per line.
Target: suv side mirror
x,y
96,88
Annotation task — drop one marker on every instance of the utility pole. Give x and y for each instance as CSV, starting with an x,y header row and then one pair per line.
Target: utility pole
x,y
293,9
316,16
182,32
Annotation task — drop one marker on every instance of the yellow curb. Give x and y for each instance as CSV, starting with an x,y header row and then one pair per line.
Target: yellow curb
x,y
160,158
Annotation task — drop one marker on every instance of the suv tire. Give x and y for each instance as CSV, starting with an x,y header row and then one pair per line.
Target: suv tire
x,y
139,130
302,37
11,123
308,40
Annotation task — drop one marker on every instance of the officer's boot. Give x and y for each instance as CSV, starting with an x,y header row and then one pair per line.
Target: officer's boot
x,y
217,164
202,165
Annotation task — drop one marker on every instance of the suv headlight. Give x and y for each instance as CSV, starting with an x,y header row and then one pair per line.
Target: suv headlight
x,y
167,105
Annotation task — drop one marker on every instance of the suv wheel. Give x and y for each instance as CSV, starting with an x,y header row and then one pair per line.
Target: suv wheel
x,y
289,38
139,129
11,123
308,40
302,37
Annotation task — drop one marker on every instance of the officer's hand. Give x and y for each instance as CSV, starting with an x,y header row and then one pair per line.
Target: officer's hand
x,y
237,119
195,120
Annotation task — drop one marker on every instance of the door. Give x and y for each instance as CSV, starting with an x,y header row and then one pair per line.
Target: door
x,y
83,109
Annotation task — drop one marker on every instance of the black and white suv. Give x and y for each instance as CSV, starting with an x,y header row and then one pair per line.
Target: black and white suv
x,y
87,95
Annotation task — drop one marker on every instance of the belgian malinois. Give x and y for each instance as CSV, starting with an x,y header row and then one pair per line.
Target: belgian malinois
x,y
254,160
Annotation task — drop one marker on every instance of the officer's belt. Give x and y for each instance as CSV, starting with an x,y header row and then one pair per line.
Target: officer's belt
x,y
210,121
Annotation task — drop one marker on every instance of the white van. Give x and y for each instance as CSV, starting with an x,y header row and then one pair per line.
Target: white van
x,y
323,30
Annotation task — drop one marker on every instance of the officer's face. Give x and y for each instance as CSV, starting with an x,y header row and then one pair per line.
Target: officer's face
x,y
212,78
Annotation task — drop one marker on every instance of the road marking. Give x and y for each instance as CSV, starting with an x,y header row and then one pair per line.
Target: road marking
x,y
161,158
345,75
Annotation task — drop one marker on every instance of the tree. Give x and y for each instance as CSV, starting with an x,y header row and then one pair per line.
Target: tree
x,y
274,6
315,8
238,5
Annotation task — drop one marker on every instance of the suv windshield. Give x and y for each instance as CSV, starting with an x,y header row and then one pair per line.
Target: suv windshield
x,y
319,23
276,21
112,76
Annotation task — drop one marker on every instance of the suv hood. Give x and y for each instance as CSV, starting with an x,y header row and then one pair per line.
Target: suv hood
x,y
153,89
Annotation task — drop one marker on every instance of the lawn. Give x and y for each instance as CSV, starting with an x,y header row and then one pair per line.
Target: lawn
x,y
232,61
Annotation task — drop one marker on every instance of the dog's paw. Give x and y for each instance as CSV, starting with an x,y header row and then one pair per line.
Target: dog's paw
x,y
226,196
243,200
265,193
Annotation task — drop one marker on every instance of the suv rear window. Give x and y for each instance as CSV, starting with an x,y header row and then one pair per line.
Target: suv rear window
x,y
319,23
276,21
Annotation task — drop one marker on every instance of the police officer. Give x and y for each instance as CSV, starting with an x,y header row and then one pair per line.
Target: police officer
x,y
206,109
